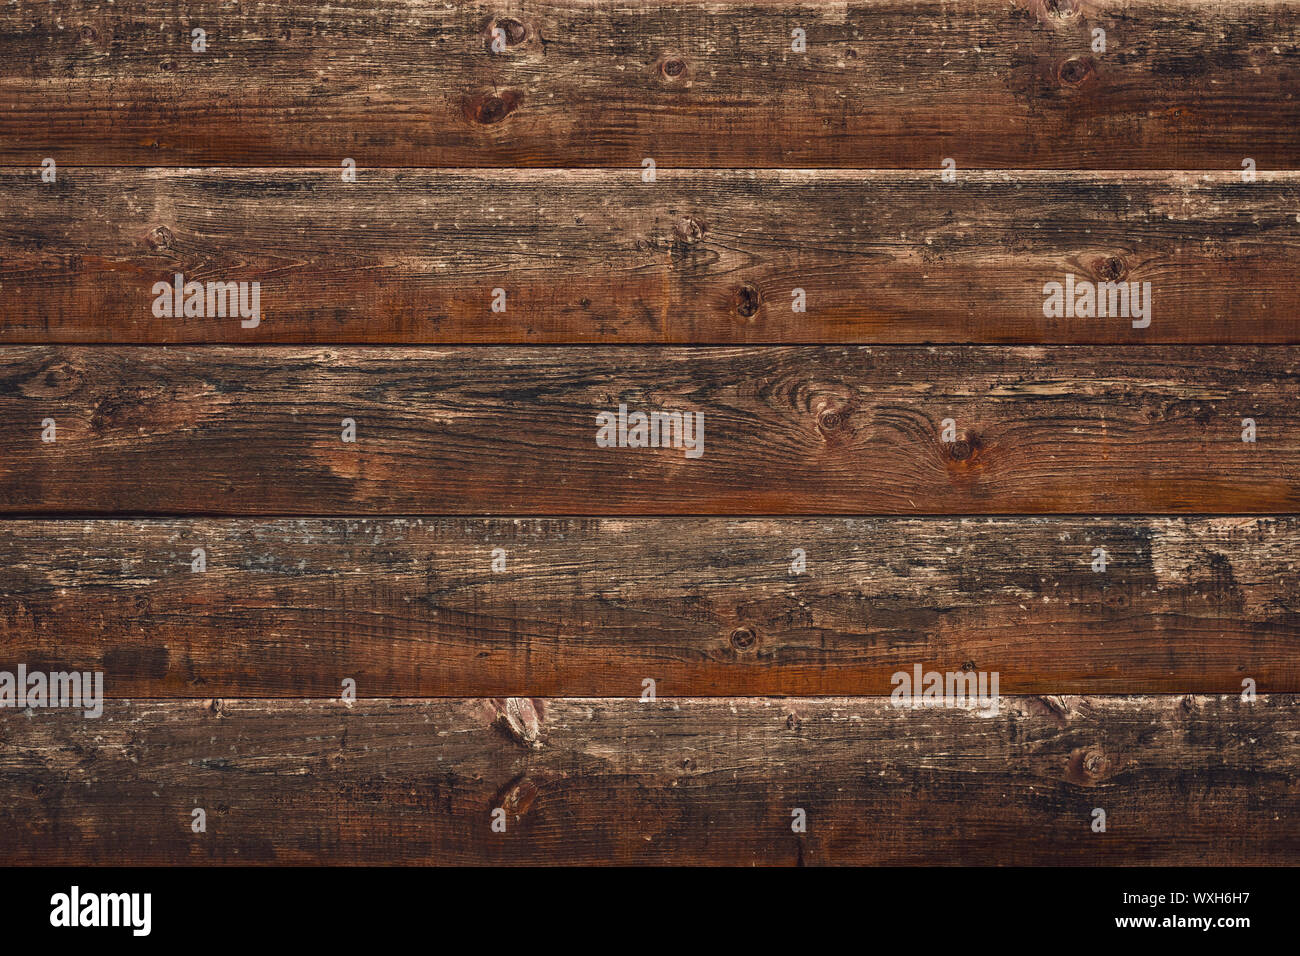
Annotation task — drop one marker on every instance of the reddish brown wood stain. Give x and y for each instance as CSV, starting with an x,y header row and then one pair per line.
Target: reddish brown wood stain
x,y
882,84
787,431
683,781
524,636
701,256
706,607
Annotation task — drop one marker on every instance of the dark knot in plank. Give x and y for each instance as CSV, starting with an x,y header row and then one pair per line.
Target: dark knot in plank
x,y
1045,10
160,238
672,70
487,108
689,230
521,719
743,638
510,31
1110,268
747,301
830,421
1076,71
963,455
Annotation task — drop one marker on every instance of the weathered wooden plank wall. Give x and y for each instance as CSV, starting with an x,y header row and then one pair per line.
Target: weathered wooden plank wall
x,y
946,457
414,607
990,83
597,256
675,782
223,430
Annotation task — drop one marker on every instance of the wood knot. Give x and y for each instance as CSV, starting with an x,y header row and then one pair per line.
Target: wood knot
x,y
1117,600
516,797
510,31
515,32
521,719
214,707
747,301
1055,707
88,33
1110,268
1076,71
1088,765
672,70
106,410
1045,10
689,230
488,108
832,420
743,638
1096,763
160,238
964,453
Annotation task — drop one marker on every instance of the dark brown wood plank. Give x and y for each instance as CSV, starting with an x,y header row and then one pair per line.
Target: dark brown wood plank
x,y
850,430
1181,84
588,607
596,256
1196,780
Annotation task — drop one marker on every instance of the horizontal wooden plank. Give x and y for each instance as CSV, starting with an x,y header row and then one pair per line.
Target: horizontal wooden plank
x,y
1180,84
763,430
1204,780
596,256
704,607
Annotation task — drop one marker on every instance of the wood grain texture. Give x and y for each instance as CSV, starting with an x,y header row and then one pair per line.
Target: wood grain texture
x,y
211,430
1195,780
1182,84
705,607
596,256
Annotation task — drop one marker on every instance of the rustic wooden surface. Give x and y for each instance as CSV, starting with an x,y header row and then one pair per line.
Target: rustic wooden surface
x,y
412,608
1194,780
1183,84
223,430
596,256
521,169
